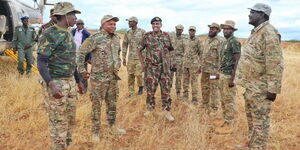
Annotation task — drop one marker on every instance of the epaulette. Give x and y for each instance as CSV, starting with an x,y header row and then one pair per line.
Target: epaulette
x,y
150,32
165,33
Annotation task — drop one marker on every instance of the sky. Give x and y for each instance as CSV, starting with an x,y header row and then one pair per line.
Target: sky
x,y
285,14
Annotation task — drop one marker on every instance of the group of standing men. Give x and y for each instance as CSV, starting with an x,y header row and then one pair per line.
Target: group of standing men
x,y
61,57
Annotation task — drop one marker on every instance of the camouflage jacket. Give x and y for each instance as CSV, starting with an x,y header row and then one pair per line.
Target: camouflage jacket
x,y
58,45
193,52
229,47
178,53
105,50
210,55
261,64
131,40
45,26
23,37
157,47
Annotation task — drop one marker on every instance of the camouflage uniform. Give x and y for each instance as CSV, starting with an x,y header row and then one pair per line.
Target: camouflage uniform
x,y
24,37
191,61
157,67
134,68
210,66
230,47
177,60
106,62
260,71
58,44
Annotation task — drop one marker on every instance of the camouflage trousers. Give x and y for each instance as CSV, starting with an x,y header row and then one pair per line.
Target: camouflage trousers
x,y
61,113
103,91
227,98
258,110
25,54
153,76
210,92
178,77
190,75
134,69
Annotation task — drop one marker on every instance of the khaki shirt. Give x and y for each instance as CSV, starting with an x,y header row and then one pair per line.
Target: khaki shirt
x,y
105,50
178,53
210,56
131,41
193,53
261,64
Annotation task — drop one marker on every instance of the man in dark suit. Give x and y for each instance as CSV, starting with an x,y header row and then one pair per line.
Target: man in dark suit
x,y
80,34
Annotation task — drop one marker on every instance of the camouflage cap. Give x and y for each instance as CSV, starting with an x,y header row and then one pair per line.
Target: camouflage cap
x,y
133,18
155,19
262,8
180,27
192,28
229,23
62,8
108,18
51,12
214,25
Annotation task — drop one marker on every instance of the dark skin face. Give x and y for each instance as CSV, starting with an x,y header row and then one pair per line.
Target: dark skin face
x,y
228,32
25,22
156,26
179,32
109,26
213,32
67,20
132,24
256,18
192,33
80,25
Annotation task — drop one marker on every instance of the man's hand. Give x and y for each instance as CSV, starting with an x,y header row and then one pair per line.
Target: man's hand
x,y
88,62
85,75
55,90
81,88
271,96
27,46
217,76
231,83
124,62
15,50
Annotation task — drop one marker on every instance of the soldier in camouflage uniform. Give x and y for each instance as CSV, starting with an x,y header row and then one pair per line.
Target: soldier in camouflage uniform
x,y
23,40
260,73
191,68
210,67
177,59
229,57
157,45
56,64
105,48
134,68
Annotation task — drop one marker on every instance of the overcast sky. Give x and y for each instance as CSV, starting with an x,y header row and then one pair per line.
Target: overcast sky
x,y
285,14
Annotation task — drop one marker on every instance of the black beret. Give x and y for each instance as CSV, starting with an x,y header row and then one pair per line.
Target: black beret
x,y
156,19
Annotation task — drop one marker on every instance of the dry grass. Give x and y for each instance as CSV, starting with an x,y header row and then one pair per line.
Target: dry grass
x,y
24,124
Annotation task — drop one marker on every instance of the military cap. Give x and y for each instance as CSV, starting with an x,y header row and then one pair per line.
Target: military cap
x,y
133,18
108,18
24,17
262,8
214,25
180,27
229,23
155,19
192,28
62,8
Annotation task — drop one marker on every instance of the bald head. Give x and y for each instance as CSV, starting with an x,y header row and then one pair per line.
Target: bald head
x,y
79,24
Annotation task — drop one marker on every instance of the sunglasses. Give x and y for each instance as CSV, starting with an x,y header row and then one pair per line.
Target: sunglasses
x,y
79,23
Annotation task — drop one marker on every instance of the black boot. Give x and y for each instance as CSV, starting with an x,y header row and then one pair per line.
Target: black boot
x,y
140,92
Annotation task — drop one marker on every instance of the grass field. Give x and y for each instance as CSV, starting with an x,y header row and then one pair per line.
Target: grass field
x,y
24,124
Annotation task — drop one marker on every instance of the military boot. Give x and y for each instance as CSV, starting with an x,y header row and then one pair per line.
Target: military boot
x,y
169,116
140,92
96,137
117,130
194,101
